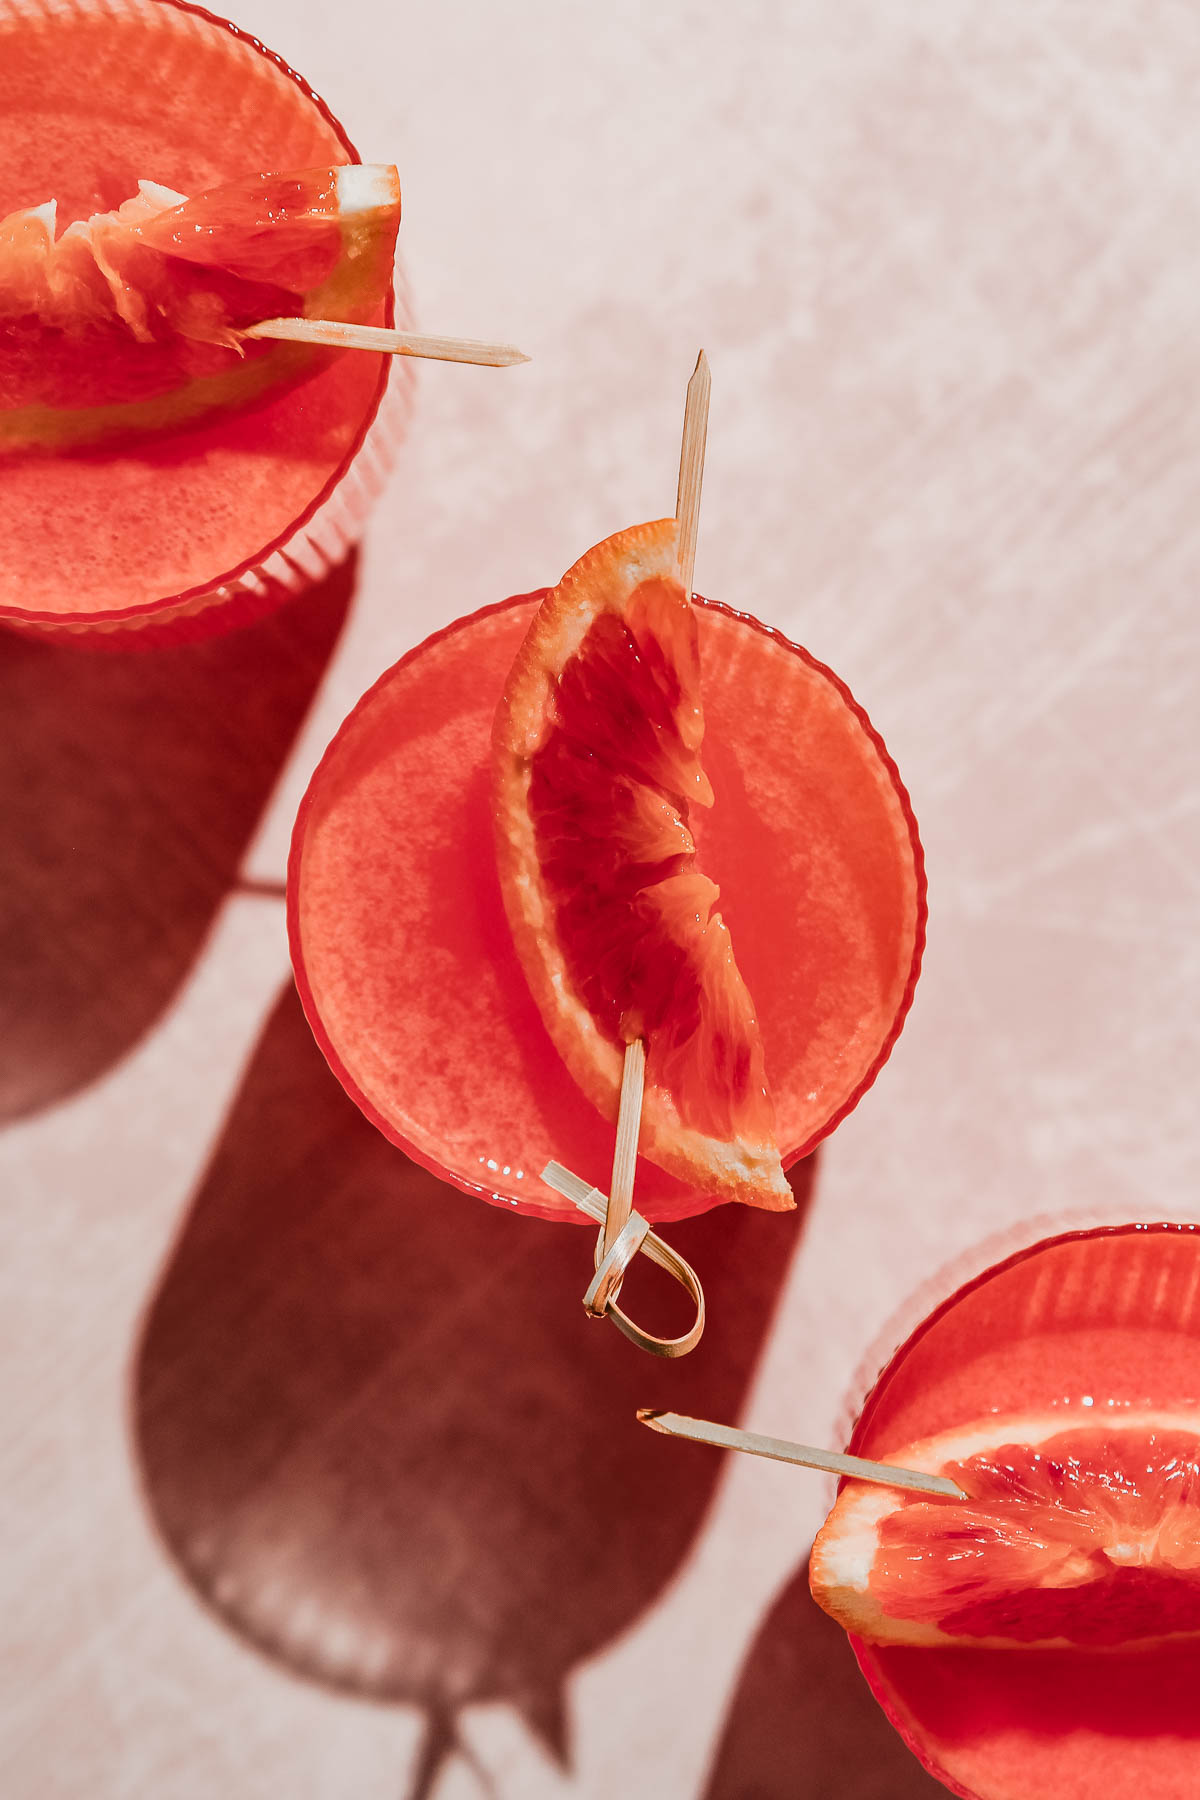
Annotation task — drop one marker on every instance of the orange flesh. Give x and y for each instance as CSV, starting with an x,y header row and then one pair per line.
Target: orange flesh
x,y
108,317
1099,1319
1090,1537
244,240
97,533
611,791
250,243
130,323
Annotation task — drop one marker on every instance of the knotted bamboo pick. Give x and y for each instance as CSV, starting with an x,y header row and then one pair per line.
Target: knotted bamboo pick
x,y
600,1298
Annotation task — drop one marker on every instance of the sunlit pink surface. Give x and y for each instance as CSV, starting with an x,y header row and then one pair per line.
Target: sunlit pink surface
x,y
944,261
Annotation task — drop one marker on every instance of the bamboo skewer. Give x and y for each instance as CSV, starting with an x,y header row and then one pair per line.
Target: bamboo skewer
x,y
691,467
629,1114
727,1437
629,1124
391,343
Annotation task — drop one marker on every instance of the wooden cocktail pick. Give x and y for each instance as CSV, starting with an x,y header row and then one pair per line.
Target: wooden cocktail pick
x,y
629,1120
391,343
727,1437
691,468
602,1294
600,1299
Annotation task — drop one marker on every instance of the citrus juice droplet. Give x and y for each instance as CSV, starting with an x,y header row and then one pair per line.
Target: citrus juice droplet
x,y
91,102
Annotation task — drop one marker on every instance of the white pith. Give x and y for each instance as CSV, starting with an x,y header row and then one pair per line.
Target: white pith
x,y
365,187
46,216
162,197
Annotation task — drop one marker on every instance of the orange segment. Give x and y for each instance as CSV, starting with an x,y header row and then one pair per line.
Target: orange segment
x,y
596,758
130,321
1074,1536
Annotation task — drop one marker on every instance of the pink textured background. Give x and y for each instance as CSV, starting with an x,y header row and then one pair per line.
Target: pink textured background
x,y
944,260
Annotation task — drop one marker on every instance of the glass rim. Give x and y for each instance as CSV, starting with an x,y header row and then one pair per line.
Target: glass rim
x,y
479,1190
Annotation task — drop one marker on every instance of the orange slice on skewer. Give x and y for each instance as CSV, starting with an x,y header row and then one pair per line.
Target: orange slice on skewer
x,y
597,772
1075,1535
131,322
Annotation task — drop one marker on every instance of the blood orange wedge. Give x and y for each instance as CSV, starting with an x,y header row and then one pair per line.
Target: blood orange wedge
x,y
1086,1344
130,540
405,960
130,322
1073,1535
596,758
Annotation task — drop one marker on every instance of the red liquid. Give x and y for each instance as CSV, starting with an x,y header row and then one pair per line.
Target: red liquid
x,y
1114,1315
87,108
403,955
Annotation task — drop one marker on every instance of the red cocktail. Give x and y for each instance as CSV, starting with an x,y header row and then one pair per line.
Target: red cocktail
x,y
1094,1331
404,957
223,516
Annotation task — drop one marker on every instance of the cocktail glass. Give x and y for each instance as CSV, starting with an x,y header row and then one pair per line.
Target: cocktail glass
x,y
204,527
402,951
1091,1322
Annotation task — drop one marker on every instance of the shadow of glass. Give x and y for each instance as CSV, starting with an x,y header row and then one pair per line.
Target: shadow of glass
x,y
132,784
377,1432
803,1724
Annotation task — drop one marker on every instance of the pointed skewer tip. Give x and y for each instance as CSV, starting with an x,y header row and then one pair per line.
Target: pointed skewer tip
x,y
836,1462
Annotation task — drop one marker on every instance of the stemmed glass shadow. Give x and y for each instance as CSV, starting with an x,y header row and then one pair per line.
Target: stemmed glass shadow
x,y
380,1438
133,782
